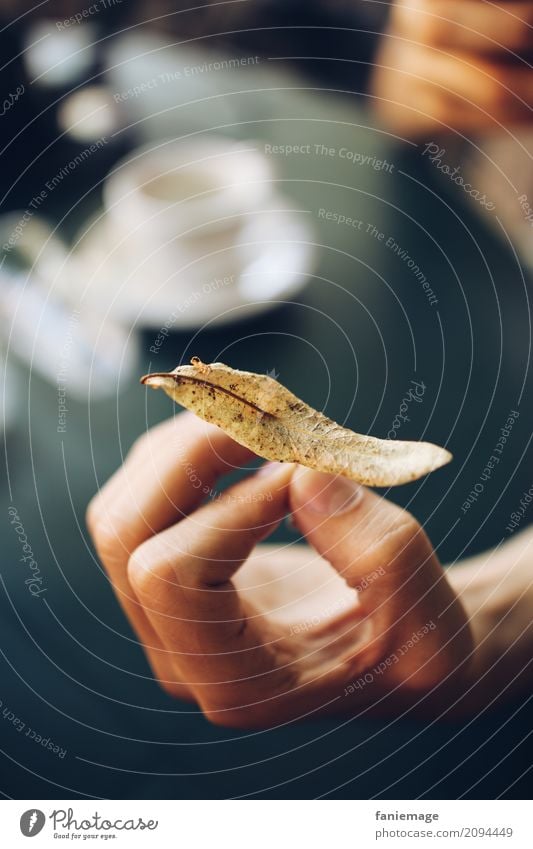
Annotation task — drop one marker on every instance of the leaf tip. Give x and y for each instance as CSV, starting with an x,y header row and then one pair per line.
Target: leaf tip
x,y
442,458
153,380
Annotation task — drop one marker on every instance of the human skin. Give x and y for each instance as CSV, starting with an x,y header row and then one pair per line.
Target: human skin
x,y
257,634
455,65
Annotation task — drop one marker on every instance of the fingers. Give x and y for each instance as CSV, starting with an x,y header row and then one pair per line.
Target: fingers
x,y
378,548
418,90
182,577
489,88
455,64
468,25
384,554
169,470
156,486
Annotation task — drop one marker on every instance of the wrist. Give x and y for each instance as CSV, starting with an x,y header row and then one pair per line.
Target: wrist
x,y
497,593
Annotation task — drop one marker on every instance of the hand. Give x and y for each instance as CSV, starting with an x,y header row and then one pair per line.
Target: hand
x,y
455,65
363,618
496,589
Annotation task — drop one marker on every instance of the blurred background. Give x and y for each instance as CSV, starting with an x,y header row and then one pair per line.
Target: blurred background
x,y
224,182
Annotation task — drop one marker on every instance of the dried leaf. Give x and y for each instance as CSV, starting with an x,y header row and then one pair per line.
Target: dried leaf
x,y
261,414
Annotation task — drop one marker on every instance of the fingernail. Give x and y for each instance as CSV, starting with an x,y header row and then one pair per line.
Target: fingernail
x,y
325,493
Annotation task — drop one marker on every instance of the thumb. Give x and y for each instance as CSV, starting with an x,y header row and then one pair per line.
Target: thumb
x,y
379,548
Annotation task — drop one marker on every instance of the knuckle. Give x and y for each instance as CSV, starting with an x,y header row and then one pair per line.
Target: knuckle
x,y
144,570
108,543
105,531
405,528
92,515
407,539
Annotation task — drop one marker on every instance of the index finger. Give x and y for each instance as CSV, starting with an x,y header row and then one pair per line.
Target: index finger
x,y
150,492
168,472
183,578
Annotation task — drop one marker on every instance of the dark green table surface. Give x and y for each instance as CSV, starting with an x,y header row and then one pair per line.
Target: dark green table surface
x,y
351,343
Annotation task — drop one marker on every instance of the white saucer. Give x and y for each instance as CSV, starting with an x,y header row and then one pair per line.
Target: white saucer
x,y
270,262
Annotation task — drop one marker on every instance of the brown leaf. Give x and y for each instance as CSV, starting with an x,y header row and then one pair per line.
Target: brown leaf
x,y
261,414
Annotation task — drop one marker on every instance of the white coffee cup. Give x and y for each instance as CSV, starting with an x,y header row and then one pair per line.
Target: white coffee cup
x,y
175,208
174,187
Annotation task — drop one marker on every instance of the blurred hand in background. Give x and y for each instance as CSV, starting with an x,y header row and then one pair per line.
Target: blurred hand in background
x,y
455,64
